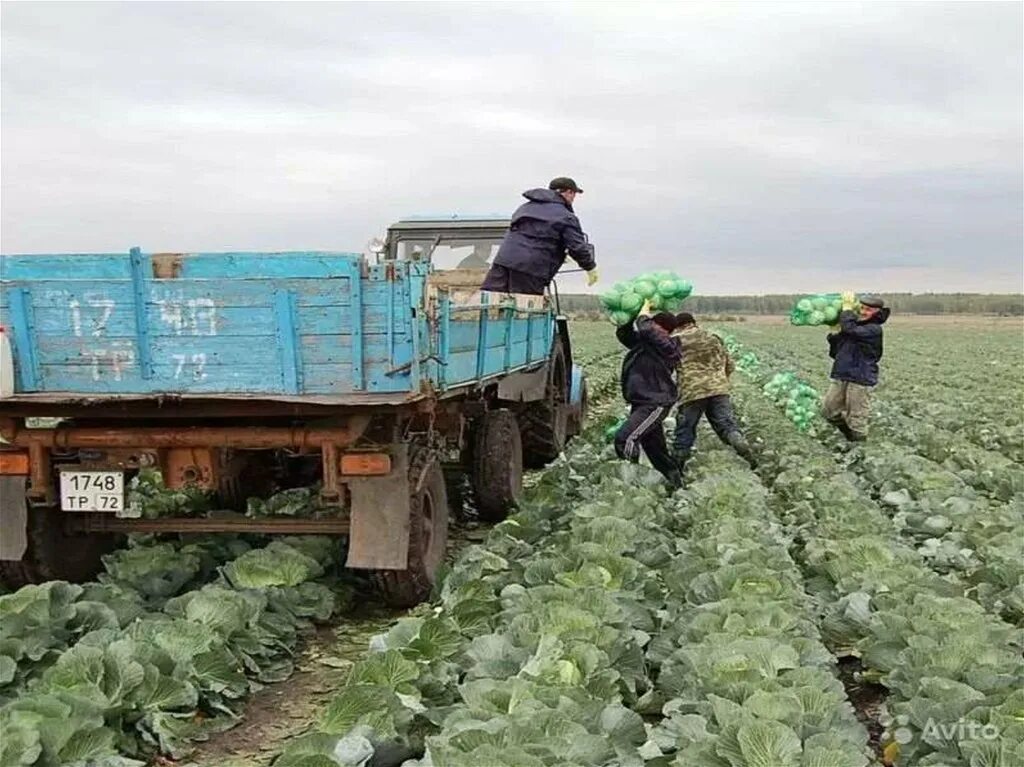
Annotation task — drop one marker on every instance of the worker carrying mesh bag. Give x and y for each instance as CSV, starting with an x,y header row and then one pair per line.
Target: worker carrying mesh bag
x,y
856,349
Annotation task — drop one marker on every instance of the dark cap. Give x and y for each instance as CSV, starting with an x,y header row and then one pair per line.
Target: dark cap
x,y
875,302
685,318
665,320
564,183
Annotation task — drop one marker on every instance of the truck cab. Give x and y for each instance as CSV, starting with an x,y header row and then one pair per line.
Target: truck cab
x,y
449,242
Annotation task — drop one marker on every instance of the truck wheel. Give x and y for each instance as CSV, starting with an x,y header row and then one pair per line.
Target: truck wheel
x,y
497,465
546,422
54,554
428,533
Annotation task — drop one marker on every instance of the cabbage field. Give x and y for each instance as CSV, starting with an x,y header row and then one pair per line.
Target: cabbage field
x,y
842,606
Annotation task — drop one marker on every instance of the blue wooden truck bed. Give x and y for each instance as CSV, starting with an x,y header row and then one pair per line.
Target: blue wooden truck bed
x,y
321,327
243,373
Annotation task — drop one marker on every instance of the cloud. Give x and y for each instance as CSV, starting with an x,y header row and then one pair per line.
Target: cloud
x,y
754,146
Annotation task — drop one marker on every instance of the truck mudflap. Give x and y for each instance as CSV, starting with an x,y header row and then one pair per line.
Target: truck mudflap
x,y
576,387
578,401
524,387
379,517
13,519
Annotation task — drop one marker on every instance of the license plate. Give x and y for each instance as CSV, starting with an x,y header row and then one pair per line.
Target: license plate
x,y
92,491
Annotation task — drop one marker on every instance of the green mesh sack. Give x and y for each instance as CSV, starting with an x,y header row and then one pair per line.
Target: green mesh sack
x,y
818,309
799,399
665,291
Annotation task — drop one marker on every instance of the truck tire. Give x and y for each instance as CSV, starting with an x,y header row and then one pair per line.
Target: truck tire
x,y
428,533
497,475
53,554
545,423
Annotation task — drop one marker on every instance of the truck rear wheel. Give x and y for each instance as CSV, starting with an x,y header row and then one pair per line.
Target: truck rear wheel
x,y
546,422
497,475
53,553
428,533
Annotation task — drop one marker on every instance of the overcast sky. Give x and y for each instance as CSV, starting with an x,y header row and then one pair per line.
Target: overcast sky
x,y
768,147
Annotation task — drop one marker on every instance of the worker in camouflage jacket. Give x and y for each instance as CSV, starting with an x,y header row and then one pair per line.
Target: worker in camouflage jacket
x,y
704,372
855,349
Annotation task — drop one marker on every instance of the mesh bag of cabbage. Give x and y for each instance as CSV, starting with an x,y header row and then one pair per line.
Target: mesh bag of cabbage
x,y
664,290
819,309
799,398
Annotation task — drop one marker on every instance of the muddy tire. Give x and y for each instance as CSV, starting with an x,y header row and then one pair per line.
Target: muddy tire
x,y
545,423
497,476
54,554
428,533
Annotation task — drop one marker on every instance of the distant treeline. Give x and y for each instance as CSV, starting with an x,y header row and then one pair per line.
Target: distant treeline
x,y
905,303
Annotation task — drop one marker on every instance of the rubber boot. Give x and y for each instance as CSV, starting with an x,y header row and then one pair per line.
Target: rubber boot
x,y
840,423
682,456
742,447
855,436
674,480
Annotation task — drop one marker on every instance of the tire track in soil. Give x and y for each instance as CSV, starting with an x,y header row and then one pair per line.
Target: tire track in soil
x,y
284,710
867,699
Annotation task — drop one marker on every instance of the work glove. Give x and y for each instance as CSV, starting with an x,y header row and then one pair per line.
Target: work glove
x,y
849,299
592,277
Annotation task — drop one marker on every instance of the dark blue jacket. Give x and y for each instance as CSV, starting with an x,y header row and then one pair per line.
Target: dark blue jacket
x,y
650,364
857,348
541,232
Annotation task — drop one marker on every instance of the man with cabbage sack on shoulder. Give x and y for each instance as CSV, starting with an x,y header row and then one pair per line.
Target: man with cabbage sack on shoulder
x,y
856,349
648,385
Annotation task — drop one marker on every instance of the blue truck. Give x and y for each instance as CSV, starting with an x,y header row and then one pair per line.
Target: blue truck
x,y
388,381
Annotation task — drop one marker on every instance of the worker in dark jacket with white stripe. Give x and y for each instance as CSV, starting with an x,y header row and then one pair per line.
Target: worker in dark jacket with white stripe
x,y
542,231
856,350
649,387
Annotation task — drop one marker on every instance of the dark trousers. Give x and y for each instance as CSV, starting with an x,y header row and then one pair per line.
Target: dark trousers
x,y
643,429
718,410
502,280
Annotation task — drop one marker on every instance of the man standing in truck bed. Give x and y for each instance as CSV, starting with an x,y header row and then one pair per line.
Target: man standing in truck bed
x,y
542,231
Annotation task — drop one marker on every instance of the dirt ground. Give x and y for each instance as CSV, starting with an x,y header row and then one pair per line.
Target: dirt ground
x,y
282,711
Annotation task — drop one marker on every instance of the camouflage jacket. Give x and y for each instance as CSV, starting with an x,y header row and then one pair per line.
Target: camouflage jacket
x,y
706,365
